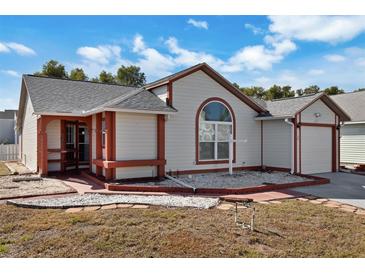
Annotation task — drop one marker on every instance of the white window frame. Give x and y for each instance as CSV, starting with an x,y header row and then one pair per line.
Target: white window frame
x,y
215,123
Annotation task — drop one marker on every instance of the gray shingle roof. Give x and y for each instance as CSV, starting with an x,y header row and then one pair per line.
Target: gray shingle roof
x,y
143,100
67,96
353,103
289,106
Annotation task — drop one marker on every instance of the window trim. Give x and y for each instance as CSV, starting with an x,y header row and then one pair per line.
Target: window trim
x,y
197,120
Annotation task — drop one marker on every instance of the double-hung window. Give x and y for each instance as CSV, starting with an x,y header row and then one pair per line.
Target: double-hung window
x,y
215,127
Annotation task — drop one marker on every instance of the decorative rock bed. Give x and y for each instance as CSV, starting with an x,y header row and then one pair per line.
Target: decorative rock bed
x,y
239,179
100,199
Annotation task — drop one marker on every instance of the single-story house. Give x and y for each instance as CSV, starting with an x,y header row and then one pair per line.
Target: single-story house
x,y
7,126
180,123
352,145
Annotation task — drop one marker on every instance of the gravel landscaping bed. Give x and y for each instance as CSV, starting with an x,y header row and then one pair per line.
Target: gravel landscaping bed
x,y
99,199
10,189
239,179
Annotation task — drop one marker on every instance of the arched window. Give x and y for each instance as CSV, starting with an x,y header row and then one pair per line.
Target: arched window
x,y
215,127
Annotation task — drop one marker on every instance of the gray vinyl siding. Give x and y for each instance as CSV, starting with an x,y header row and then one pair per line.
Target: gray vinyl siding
x,y
277,144
188,94
352,147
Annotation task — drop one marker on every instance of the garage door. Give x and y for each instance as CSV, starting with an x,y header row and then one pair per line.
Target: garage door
x,y
316,144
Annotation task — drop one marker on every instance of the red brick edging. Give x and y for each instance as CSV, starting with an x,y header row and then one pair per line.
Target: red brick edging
x,y
315,180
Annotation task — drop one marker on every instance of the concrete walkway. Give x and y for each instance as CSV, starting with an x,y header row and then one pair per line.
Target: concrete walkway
x,y
344,187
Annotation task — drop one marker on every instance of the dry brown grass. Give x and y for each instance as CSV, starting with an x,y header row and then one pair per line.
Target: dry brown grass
x,y
3,169
290,229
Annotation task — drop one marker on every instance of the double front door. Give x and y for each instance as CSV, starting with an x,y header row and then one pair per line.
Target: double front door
x,y
76,145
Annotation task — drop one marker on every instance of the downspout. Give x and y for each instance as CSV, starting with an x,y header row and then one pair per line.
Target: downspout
x,y
287,120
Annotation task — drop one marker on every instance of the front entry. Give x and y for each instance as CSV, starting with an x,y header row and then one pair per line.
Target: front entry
x,y
76,144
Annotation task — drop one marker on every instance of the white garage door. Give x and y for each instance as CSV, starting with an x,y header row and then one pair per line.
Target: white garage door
x,y
316,149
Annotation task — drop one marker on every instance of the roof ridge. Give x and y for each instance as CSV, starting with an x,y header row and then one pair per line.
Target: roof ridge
x,y
295,97
83,81
348,93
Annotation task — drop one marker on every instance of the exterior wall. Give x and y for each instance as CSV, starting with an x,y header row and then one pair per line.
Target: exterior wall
x,y
93,142
161,92
7,132
352,147
54,142
327,115
136,139
277,144
29,137
188,94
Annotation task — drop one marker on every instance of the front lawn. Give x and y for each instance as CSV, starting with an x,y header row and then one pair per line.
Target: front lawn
x,y
290,229
3,169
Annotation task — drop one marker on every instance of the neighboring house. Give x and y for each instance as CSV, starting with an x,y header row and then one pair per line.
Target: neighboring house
x,y
352,145
7,126
180,123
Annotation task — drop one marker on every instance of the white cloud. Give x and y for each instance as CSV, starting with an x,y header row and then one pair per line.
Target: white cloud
x,y
103,54
17,48
331,29
11,73
198,24
20,49
315,72
152,62
184,57
255,30
335,58
3,48
260,57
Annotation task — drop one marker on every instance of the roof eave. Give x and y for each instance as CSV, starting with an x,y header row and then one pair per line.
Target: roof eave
x,y
268,118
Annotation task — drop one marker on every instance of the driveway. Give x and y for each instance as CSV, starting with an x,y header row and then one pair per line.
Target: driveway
x,y
344,187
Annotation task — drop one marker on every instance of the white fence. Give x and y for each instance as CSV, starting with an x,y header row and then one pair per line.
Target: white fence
x,y
8,152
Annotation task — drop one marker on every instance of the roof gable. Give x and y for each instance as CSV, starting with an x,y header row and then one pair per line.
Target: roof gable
x,y
215,76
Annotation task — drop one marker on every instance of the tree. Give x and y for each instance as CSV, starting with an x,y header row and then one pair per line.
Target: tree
x,y
287,91
106,77
333,90
131,76
258,92
274,92
311,90
53,69
78,74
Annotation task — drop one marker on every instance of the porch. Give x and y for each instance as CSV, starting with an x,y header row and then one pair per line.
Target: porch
x,y
63,143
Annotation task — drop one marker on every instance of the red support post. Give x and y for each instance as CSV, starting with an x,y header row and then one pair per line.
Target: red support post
x,y
161,144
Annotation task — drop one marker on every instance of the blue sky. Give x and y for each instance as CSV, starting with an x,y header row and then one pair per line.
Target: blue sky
x,y
249,50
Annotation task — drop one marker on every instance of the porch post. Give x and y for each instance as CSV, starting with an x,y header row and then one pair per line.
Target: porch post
x,y
98,142
43,146
109,142
161,144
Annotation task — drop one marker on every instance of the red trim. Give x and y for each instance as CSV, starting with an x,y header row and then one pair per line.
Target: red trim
x,y
334,157
300,143
114,143
169,94
63,144
161,145
262,143
316,125
109,132
98,142
128,163
197,116
295,144
273,168
218,78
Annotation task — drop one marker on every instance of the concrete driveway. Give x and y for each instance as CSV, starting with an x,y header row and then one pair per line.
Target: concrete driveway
x,y
344,187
